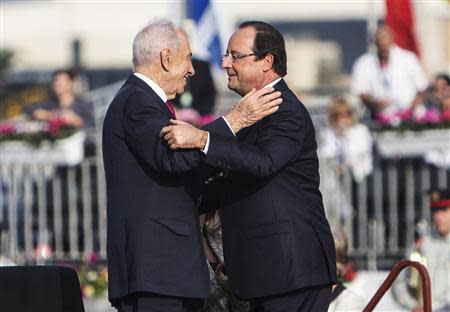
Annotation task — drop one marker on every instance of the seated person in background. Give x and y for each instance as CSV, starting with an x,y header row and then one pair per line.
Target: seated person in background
x,y
432,250
346,140
435,93
389,80
65,104
445,105
343,299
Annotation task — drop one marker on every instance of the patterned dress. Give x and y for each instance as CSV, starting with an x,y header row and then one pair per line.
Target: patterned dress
x,y
222,298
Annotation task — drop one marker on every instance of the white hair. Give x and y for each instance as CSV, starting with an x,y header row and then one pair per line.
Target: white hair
x,y
152,39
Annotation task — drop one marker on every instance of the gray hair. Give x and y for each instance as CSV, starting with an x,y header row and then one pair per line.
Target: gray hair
x,y
152,39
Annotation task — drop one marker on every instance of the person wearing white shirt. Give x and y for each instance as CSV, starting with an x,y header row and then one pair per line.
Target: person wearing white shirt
x,y
345,144
389,80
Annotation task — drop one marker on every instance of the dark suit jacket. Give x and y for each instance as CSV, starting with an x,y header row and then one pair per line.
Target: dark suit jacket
x,y
275,234
153,241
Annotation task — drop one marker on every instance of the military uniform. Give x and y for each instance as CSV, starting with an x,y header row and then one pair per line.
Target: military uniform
x,y
432,250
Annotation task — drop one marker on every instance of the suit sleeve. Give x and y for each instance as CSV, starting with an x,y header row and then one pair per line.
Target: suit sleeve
x,y
280,137
143,122
219,126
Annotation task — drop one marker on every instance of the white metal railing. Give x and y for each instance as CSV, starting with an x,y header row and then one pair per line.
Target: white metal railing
x,y
63,209
53,212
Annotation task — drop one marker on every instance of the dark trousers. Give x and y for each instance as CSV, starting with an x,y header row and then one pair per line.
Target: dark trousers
x,y
307,299
149,302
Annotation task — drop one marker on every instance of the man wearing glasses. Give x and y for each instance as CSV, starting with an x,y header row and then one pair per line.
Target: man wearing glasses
x,y
278,248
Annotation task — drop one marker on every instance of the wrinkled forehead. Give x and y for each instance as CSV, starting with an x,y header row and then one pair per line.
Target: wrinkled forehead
x,y
242,40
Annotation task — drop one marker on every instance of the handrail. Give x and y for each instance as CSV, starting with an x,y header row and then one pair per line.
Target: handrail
x,y
391,278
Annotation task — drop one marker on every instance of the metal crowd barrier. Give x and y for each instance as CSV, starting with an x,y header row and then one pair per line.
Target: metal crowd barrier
x,y
64,209
54,213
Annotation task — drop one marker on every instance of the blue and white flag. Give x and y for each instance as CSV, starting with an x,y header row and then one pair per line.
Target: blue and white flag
x,y
201,12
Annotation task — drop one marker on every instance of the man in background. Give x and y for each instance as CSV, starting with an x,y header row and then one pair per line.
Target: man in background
x,y
389,80
432,250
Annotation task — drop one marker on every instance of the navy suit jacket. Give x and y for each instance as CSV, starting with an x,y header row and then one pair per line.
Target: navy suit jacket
x,y
153,241
275,234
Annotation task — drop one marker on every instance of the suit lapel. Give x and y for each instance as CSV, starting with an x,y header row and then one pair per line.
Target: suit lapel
x,y
137,82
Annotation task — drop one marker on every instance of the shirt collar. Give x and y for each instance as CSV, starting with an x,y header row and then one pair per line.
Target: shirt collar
x,y
160,92
271,84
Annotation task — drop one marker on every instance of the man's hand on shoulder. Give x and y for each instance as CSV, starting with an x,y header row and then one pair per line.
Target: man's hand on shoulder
x,y
181,134
253,107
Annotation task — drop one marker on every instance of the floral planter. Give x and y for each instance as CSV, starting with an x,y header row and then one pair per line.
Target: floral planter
x,y
413,143
68,151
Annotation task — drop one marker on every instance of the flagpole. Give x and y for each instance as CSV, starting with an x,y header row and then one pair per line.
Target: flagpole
x,y
372,21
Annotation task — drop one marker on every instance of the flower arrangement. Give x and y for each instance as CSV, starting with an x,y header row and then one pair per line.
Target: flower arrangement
x,y
414,120
35,133
93,278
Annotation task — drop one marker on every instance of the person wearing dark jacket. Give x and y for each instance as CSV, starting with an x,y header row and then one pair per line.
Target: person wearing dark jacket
x,y
65,104
278,249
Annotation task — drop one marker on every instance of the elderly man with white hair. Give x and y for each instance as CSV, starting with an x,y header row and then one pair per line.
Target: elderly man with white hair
x,y
156,260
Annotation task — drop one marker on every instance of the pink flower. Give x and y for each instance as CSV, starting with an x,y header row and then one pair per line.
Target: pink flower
x,y
55,124
431,116
405,114
93,258
189,115
7,128
207,119
385,119
445,116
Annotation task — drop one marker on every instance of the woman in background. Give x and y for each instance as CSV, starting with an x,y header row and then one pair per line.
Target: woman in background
x,y
345,146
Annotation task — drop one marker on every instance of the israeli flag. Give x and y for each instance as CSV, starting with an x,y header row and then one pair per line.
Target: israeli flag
x,y
201,12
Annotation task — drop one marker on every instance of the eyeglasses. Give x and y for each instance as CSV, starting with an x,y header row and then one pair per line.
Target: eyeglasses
x,y
235,56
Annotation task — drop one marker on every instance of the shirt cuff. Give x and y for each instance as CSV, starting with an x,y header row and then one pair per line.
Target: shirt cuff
x,y
205,150
229,126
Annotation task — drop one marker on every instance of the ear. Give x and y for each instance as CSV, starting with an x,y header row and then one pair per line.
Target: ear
x,y
268,62
166,59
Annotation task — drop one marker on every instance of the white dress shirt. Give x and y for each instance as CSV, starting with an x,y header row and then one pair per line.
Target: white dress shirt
x,y
160,92
399,81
